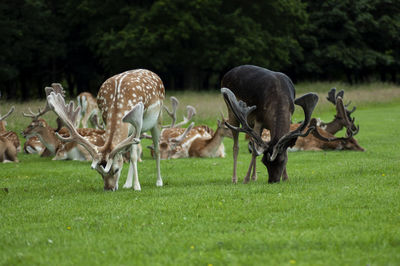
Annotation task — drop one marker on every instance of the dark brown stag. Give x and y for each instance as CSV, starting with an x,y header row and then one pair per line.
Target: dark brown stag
x,y
271,99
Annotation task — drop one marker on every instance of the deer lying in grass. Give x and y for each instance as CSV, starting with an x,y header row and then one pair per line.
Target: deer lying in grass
x,y
131,103
62,151
89,110
194,141
9,135
271,96
9,141
41,130
328,142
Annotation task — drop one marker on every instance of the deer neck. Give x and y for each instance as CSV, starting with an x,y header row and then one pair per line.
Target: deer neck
x,y
332,127
2,126
49,139
212,145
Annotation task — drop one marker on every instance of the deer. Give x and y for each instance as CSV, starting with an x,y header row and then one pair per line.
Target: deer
x,y
259,98
314,142
9,135
194,141
130,103
40,130
9,141
89,110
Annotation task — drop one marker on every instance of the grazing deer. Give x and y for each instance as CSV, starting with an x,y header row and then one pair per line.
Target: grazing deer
x,y
134,97
342,117
89,110
271,96
10,135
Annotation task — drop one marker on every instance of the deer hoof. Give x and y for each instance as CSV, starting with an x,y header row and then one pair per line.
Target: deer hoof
x,y
234,180
137,187
159,183
246,180
127,185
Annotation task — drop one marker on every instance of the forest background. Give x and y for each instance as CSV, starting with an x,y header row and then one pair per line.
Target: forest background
x,y
192,44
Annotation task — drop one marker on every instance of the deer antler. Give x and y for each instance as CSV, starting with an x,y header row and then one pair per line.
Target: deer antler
x,y
191,111
55,88
172,113
308,103
241,112
8,114
313,123
95,121
56,103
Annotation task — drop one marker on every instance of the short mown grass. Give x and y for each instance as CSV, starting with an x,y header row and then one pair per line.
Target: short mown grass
x,y
339,208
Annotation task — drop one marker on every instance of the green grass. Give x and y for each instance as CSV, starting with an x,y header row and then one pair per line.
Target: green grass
x,y
339,208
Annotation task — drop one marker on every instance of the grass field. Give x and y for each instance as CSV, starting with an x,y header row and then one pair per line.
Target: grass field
x,y
339,208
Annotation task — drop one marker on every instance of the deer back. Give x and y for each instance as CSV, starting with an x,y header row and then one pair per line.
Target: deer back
x,y
120,93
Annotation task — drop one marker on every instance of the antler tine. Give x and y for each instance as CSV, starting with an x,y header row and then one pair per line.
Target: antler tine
x,y
172,113
181,137
331,96
57,103
349,122
241,112
57,88
191,111
313,123
340,94
95,121
8,114
35,116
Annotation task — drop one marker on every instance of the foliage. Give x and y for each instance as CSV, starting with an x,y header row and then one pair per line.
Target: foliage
x,y
191,44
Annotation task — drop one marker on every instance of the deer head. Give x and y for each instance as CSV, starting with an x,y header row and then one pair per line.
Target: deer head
x,y
108,162
275,156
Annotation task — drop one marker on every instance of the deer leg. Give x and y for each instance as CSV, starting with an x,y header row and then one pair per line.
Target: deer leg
x,y
284,175
254,175
133,173
155,134
235,136
251,169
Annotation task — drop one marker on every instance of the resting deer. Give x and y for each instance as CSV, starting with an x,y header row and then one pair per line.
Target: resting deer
x,y
9,135
33,145
40,130
328,141
194,141
54,147
89,110
9,141
271,96
131,103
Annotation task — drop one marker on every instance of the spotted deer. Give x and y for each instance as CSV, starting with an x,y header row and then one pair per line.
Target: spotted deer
x,y
130,103
41,130
194,141
9,135
271,99
89,110
9,141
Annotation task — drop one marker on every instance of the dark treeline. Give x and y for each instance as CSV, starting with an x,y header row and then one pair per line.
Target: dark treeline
x,y
191,44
